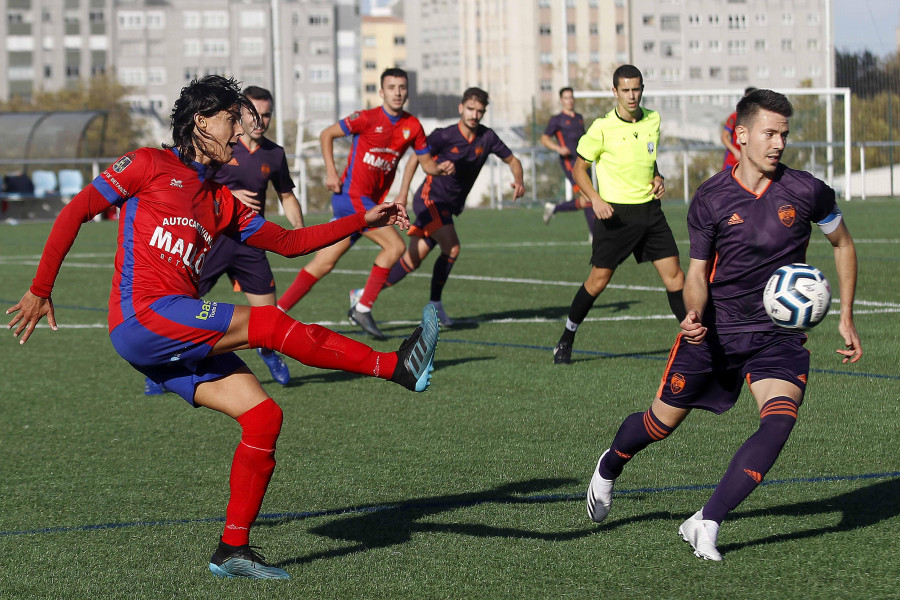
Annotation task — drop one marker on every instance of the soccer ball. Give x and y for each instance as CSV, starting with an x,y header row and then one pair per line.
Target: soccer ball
x,y
797,296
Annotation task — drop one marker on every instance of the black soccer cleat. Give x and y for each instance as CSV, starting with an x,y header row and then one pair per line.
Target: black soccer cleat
x,y
367,322
562,354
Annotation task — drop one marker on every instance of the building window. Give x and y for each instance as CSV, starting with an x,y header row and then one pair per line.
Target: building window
x,y
812,44
737,47
318,19
737,21
191,19
649,45
320,47
251,46
695,46
762,72
649,20
760,45
713,19
694,20
371,88
546,86
321,74
399,40
715,73
192,47
714,46
253,19
670,49
593,29
812,19
369,41
131,20
787,45
546,58
788,71
371,65
760,19
670,23
215,47
787,18
156,19
695,73
570,29
738,74
544,30
215,19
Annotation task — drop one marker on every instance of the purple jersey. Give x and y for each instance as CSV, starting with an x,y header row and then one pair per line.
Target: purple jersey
x,y
253,170
566,130
468,156
747,237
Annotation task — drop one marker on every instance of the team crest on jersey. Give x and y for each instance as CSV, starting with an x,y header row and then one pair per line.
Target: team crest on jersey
x,y
479,150
265,169
677,383
353,116
650,147
121,164
406,133
787,214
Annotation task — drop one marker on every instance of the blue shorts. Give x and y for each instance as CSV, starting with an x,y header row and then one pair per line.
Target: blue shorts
x,y
710,375
246,266
170,341
344,205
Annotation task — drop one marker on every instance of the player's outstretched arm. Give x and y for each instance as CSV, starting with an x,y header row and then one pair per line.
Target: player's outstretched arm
x,y
846,264
382,215
28,312
518,184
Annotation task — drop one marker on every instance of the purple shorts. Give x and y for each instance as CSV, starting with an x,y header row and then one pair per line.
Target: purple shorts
x,y
245,265
430,216
170,341
710,375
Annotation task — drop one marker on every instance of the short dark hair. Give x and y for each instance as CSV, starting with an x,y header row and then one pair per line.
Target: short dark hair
x,y
627,72
476,93
752,103
750,90
205,96
564,90
254,92
393,72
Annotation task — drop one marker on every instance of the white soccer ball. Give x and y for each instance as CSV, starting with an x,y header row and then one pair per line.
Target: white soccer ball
x,y
797,296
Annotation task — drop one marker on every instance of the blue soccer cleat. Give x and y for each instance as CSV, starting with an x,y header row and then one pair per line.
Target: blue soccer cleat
x,y
243,561
277,368
415,358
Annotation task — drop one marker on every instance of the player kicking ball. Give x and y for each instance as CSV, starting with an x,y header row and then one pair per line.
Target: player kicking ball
x,y
171,211
744,223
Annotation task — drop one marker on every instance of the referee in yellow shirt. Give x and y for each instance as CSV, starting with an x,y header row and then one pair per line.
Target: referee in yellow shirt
x,y
623,144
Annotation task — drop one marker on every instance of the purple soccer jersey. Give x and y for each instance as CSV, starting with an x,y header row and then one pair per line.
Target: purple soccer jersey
x,y
566,131
252,171
747,237
467,155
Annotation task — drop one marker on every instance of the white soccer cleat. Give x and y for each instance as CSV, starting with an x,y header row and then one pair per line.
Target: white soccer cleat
x,y
599,494
548,212
442,315
701,534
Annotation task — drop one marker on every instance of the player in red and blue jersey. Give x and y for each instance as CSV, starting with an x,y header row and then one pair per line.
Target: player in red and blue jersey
x,y
561,136
467,144
744,224
380,138
255,162
729,138
171,213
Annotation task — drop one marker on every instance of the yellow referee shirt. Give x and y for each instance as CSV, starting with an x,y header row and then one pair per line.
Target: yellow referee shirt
x,y
624,156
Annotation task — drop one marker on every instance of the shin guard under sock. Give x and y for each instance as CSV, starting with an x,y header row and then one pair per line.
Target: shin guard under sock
x,y
315,345
251,469
636,432
754,458
378,276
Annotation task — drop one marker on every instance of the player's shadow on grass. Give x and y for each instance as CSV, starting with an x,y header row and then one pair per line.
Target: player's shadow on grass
x,y
551,312
862,507
369,527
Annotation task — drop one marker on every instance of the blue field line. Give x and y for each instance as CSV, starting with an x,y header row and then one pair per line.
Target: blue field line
x,y
449,504
642,356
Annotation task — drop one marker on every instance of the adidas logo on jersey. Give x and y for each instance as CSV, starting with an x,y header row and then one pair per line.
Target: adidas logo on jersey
x,y
735,219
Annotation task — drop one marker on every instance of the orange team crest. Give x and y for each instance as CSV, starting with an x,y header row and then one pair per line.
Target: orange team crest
x,y
677,383
479,151
787,214
265,169
406,133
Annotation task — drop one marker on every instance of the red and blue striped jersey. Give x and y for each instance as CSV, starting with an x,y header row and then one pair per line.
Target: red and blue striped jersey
x,y
379,142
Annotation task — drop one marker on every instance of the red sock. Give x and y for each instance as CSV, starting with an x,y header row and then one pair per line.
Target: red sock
x,y
377,278
251,469
315,345
302,284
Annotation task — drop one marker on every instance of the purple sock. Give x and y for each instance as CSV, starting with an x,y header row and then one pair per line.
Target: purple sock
x,y
754,459
439,275
398,272
636,432
565,207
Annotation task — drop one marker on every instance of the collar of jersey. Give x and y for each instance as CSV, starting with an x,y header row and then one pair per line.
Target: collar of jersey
x,y
202,170
392,118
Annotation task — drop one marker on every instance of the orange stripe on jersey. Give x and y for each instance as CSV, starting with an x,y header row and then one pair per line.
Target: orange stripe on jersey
x,y
759,195
665,376
712,271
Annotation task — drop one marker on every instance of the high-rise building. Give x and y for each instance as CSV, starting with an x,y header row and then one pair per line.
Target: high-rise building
x,y
383,41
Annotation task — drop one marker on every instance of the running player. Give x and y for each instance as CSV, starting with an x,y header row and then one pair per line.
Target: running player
x,y
257,160
171,213
380,138
561,136
467,144
743,224
629,214
729,138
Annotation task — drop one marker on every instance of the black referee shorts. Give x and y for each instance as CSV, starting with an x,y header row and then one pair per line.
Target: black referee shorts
x,y
634,229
